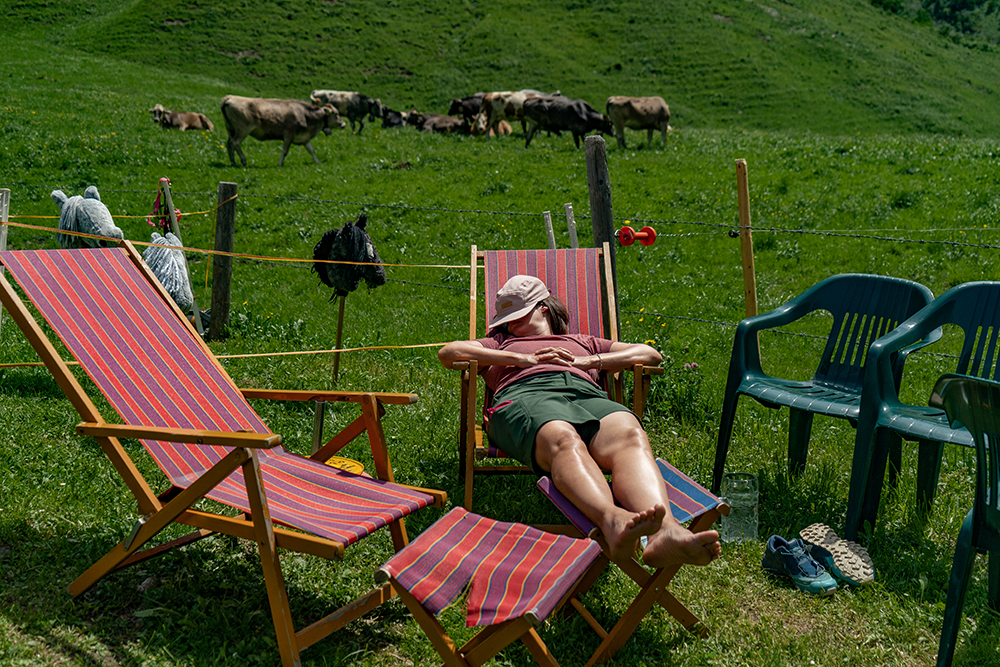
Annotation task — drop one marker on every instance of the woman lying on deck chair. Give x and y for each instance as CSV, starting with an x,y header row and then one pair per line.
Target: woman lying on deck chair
x,y
549,413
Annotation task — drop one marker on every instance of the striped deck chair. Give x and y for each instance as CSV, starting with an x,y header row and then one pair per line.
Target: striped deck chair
x,y
172,394
690,503
582,279
516,576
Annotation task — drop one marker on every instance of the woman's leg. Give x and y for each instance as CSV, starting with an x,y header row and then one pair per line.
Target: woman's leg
x,y
559,449
622,447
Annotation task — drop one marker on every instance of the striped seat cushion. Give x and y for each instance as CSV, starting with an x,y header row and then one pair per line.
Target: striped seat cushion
x,y
155,372
688,498
514,570
574,275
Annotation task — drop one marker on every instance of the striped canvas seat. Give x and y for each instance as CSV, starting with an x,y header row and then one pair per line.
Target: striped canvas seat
x,y
690,503
515,576
171,393
581,277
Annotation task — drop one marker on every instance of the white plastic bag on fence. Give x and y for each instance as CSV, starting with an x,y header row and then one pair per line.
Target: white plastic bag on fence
x,y
169,267
84,214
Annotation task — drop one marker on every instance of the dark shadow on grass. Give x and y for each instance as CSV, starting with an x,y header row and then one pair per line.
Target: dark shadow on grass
x,y
205,604
907,561
29,383
982,647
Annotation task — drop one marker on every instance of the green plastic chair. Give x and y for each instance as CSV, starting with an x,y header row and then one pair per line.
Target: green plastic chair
x,y
974,309
975,404
864,307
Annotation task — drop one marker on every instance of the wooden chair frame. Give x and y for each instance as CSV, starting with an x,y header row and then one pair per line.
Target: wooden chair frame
x,y
178,504
471,438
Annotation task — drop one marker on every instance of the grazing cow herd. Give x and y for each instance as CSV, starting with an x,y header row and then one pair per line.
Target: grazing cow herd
x,y
483,114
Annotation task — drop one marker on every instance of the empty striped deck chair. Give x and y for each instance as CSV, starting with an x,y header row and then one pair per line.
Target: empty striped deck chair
x,y
690,503
515,576
581,277
172,394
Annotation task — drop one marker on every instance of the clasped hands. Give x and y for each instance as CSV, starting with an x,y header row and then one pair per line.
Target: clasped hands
x,y
560,356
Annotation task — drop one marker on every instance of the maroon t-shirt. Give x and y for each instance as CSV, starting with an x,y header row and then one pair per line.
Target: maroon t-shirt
x,y
498,377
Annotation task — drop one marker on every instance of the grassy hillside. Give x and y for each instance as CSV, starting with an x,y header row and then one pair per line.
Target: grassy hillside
x,y
866,189
841,66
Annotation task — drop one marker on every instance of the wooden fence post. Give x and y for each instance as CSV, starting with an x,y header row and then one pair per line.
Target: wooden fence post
x,y
746,240
4,209
549,233
222,265
601,217
175,228
571,223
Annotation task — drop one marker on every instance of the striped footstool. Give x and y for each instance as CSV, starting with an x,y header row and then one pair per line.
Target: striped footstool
x,y
516,576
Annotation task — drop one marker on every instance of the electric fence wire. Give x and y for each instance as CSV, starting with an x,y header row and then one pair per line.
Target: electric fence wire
x,y
731,229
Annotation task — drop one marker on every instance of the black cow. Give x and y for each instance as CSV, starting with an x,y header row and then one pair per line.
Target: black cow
x,y
467,107
557,113
393,118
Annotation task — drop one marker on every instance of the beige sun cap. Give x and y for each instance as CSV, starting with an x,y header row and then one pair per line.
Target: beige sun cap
x,y
517,298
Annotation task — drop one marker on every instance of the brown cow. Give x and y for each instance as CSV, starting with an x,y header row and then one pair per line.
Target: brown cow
x,y
479,128
639,113
292,121
433,122
183,120
503,104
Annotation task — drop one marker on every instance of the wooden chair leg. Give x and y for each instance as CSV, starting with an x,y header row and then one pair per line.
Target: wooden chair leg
x,y
538,649
493,639
432,628
274,581
643,602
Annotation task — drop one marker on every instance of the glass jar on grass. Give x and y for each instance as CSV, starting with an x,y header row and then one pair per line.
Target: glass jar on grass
x,y
740,491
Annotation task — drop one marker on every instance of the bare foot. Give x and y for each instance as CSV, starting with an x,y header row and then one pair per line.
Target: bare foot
x,y
625,529
674,544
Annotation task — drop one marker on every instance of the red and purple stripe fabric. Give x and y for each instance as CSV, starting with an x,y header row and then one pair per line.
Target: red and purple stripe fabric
x,y
688,498
574,275
513,569
155,372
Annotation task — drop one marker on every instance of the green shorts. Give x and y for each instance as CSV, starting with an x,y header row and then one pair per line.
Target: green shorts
x,y
523,408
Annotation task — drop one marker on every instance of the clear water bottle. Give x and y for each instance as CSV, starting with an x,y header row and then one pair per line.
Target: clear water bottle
x,y
739,490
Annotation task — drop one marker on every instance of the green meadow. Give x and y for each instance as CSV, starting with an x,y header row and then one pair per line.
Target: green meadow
x,y
870,148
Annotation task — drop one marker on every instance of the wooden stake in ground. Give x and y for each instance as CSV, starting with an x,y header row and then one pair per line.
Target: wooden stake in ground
x,y
343,258
340,337
571,223
602,219
222,265
549,233
746,240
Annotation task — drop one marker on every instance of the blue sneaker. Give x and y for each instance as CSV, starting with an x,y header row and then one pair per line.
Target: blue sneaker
x,y
846,560
788,558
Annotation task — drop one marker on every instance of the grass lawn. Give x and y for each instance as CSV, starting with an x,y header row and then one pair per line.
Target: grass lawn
x,y
918,206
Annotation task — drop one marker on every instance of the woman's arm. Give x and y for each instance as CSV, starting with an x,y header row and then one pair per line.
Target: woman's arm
x,y
621,356
473,350
626,355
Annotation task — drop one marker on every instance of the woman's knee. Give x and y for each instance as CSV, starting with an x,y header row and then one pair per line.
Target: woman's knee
x,y
555,438
619,432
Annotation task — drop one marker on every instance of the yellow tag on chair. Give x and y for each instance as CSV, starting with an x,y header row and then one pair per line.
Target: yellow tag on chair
x,y
347,465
